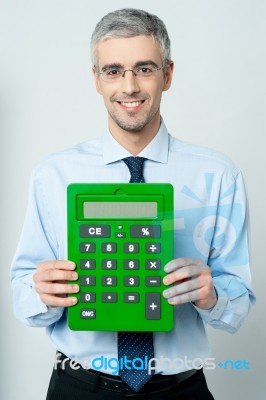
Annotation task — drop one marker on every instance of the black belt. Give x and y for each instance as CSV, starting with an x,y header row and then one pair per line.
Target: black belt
x,y
157,383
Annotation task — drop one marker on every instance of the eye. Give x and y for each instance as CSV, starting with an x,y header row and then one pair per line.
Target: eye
x,y
145,70
112,72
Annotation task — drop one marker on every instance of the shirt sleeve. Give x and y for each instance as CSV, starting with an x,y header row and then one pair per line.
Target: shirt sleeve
x,y
37,243
229,261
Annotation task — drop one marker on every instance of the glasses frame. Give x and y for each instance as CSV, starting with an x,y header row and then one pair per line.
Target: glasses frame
x,y
119,78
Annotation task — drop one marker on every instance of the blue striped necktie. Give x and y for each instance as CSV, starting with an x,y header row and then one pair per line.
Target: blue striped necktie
x,y
135,345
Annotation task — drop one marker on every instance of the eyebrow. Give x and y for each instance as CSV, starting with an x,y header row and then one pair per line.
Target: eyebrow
x,y
138,64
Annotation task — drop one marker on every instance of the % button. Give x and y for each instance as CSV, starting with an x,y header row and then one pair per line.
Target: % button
x,y
145,231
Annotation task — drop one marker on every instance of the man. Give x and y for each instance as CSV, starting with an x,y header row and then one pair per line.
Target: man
x,y
207,282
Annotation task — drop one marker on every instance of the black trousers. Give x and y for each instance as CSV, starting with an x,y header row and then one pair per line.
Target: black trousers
x,y
65,387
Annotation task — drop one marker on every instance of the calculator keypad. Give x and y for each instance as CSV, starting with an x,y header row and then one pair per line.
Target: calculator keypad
x,y
136,264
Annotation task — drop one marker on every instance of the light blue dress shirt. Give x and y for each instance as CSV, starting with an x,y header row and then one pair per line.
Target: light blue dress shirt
x,y
211,222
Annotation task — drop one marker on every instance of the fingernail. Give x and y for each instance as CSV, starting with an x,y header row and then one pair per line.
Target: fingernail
x,y
75,288
166,280
168,267
73,300
166,293
74,275
171,302
71,265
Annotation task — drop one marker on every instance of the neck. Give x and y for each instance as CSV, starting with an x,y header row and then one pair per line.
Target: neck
x,y
135,142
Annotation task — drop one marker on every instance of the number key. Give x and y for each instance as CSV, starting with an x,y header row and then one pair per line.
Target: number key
x,y
131,264
87,247
131,247
109,264
87,297
87,280
109,247
87,264
109,280
131,281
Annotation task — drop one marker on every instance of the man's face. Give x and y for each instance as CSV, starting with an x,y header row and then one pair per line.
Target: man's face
x,y
133,103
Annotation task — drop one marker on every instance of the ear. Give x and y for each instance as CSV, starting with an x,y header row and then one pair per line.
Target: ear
x,y
168,75
97,80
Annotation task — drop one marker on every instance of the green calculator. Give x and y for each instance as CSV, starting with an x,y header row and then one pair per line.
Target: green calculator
x,y
120,236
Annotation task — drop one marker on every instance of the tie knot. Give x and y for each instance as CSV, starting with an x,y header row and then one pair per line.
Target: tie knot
x,y
135,166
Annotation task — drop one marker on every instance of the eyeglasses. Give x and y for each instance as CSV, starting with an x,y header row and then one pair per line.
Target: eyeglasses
x,y
114,74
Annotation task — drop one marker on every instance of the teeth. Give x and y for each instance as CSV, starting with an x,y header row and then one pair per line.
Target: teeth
x,y
131,104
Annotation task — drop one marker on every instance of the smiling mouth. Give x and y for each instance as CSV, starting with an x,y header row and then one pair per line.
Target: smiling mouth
x,y
131,104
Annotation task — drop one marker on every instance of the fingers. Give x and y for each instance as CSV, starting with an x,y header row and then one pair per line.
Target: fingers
x,y
189,291
51,284
191,281
55,265
178,263
57,301
182,269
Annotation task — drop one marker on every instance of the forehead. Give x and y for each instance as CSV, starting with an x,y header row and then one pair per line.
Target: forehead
x,y
128,51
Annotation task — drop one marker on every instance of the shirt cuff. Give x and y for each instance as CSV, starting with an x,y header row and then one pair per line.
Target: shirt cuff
x,y
30,302
215,312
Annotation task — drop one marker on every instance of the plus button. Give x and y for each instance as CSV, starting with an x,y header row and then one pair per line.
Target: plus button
x,y
153,306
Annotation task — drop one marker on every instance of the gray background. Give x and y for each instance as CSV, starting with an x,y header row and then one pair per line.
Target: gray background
x,y
48,102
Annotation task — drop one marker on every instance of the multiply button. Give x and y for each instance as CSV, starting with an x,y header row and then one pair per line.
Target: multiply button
x,y
153,264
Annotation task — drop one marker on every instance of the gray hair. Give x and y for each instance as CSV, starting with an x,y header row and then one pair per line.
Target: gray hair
x,y
130,22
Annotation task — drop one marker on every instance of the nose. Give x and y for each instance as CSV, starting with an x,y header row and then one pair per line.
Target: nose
x,y
130,83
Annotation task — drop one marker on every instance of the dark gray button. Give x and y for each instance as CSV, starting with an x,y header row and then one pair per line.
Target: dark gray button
x,y
120,235
153,248
109,297
95,231
131,281
131,264
145,231
109,280
88,313
131,248
87,297
153,281
153,306
153,264
87,264
109,264
109,247
87,280
131,297
87,247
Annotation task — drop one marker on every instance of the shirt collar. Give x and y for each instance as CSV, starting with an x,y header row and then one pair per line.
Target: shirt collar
x,y
157,149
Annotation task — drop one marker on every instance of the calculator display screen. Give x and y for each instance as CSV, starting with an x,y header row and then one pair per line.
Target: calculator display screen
x,y
120,209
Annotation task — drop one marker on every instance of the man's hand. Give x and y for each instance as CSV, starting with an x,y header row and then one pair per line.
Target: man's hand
x,y
51,283
192,282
